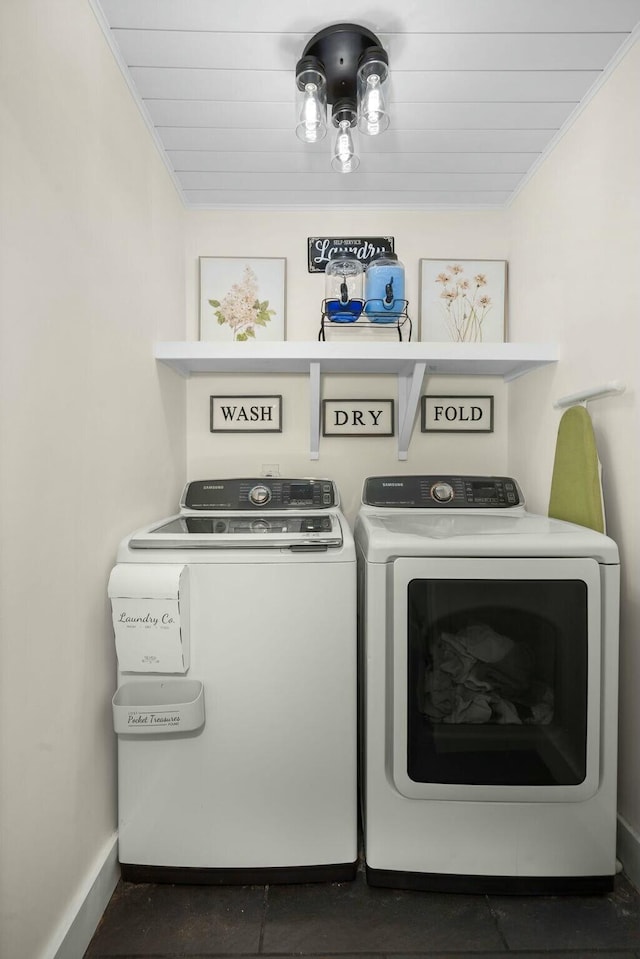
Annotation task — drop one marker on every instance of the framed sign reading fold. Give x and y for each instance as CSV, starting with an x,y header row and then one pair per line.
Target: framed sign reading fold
x,y
457,414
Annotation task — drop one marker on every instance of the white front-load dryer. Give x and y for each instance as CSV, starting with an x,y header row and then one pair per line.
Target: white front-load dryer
x,y
489,674
236,707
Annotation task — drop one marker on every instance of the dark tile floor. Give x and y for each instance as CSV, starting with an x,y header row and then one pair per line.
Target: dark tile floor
x,y
355,921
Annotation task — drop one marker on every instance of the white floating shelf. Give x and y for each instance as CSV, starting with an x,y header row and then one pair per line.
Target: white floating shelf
x,y
508,360
410,362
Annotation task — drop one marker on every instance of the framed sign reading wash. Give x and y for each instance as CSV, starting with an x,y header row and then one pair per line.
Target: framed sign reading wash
x,y
246,414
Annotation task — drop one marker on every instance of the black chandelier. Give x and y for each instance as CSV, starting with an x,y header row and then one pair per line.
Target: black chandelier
x,y
346,66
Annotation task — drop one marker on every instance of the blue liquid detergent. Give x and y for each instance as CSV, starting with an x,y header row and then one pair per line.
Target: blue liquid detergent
x,y
343,312
384,289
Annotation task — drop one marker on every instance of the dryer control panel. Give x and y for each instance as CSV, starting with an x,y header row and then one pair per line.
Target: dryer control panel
x,y
439,491
260,493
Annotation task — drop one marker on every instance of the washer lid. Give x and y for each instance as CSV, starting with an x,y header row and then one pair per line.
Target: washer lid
x,y
242,531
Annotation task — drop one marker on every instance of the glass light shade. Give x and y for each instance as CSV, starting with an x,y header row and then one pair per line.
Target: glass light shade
x,y
344,158
372,88
312,105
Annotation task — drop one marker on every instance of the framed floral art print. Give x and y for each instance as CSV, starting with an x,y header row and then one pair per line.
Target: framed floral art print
x,y
463,301
242,299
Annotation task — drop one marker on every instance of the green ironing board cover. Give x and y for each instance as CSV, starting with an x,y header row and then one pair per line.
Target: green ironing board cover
x,y
576,491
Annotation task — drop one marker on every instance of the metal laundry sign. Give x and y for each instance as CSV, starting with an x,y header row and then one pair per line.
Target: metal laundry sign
x,y
322,249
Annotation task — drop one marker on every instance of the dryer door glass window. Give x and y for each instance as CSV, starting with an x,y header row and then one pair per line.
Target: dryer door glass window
x,y
497,681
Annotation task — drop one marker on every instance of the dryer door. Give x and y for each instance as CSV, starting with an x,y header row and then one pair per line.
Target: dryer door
x,y
495,679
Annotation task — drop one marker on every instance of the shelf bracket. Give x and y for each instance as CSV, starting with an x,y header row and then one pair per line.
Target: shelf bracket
x,y
409,386
314,408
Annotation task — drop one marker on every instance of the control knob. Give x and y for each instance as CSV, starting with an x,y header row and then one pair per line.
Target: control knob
x,y
442,492
260,526
260,495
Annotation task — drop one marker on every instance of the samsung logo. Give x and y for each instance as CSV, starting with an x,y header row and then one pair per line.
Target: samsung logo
x,y
393,484
213,487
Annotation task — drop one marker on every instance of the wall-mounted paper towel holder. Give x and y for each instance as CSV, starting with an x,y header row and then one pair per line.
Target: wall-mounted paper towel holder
x,y
150,612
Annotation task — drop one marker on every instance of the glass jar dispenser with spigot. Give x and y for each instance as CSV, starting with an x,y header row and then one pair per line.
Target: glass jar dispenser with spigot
x,y
384,289
344,279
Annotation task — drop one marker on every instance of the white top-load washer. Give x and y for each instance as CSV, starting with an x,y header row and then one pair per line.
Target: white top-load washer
x,y
236,703
489,641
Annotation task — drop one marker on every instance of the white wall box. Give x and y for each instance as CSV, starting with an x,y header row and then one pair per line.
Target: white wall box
x,y
409,362
158,706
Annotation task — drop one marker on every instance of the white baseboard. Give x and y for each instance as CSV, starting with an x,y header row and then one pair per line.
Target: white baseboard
x,y
628,850
77,926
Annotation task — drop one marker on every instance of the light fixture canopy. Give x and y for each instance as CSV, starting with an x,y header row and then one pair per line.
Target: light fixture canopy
x,y
346,66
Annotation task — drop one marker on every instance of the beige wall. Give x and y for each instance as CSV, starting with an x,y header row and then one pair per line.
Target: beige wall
x,y
417,235
574,279
92,435
95,256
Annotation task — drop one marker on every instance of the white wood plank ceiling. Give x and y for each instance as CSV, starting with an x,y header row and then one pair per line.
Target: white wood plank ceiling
x,y
481,90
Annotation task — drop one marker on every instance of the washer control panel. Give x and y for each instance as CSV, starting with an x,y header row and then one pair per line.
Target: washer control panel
x,y
260,493
442,492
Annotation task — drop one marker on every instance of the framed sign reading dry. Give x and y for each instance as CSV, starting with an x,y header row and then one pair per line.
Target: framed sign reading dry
x,y
354,417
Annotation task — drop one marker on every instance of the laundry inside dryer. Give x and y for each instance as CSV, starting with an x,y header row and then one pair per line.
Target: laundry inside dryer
x,y
498,690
